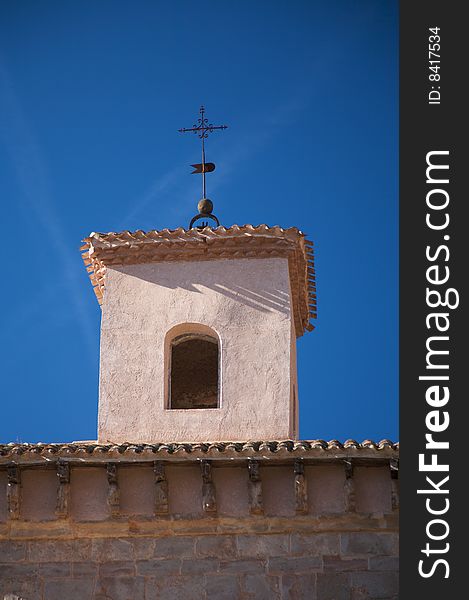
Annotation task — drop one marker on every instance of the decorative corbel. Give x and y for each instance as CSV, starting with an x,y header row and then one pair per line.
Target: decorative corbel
x,y
63,490
113,495
209,501
394,470
161,485
13,491
349,486
301,492
256,504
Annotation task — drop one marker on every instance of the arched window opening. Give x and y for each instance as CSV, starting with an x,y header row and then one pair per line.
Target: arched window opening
x,y
193,379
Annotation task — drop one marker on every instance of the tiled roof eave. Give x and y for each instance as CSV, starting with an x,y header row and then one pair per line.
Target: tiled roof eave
x,y
310,450
103,250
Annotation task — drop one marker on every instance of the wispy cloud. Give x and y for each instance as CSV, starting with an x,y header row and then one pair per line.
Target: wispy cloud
x,y
162,191
155,191
34,184
250,142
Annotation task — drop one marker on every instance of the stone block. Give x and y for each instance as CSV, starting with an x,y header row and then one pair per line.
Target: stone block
x,y
333,586
73,589
369,543
103,550
383,563
301,564
300,587
122,588
55,569
18,572
187,587
143,547
59,551
12,551
199,565
159,567
339,564
84,569
261,587
263,546
375,585
117,569
242,566
220,546
222,587
175,547
315,544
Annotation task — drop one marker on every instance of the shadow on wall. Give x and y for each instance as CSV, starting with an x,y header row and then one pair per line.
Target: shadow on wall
x,y
269,299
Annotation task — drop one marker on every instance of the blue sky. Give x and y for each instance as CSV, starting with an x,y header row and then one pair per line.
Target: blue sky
x,y
91,97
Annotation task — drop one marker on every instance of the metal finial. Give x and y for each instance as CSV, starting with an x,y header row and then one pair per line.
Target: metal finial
x,y
202,128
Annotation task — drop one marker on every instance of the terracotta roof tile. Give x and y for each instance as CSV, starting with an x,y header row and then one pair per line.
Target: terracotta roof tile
x,y
333,449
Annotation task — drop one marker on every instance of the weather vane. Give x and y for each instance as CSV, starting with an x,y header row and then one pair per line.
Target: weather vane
x,y
202,128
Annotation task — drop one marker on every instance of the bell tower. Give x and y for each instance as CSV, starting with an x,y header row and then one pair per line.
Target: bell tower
x,y
199,327
198,333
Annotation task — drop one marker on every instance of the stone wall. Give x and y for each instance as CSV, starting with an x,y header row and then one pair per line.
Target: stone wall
x,y
259,565
152,532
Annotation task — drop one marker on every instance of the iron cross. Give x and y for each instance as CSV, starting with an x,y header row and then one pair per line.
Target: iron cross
x,y
202,128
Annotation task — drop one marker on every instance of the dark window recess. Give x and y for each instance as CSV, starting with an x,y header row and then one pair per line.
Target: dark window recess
x,y
194,372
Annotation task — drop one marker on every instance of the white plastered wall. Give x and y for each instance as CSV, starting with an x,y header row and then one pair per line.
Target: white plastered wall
x,y
245,301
